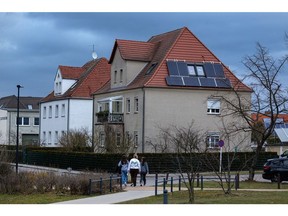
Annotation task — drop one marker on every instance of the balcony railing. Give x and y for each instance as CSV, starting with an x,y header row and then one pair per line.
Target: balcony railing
x,y
110,117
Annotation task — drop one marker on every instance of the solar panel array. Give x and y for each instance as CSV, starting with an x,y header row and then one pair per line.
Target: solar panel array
x,y
179,76
279,123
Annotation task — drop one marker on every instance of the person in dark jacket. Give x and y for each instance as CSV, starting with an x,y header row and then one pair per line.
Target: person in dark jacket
x,y
144,171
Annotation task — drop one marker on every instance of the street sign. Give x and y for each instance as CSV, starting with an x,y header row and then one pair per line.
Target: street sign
x,y
221,143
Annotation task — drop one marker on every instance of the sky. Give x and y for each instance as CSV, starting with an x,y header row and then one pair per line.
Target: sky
x,y
34,43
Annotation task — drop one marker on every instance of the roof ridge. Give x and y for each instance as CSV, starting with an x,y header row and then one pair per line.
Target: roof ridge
x,y
167,53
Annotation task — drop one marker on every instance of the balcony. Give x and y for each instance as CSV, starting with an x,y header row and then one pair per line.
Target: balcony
x,y
106,117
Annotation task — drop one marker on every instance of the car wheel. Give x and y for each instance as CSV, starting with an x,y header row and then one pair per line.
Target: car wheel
x,y
275,178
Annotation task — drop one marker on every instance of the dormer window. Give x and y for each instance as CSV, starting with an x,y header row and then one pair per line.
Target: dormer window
x,y
195,70
121,75
115,76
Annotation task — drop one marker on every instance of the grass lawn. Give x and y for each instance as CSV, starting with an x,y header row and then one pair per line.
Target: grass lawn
x,y
36,198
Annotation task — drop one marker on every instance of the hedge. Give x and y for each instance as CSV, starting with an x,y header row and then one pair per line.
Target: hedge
x,y
158,162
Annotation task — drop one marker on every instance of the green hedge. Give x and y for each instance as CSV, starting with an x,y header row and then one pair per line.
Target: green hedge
x,y
158,163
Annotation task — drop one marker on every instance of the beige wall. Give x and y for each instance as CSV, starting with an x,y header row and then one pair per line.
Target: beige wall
x,y
176,107
130,70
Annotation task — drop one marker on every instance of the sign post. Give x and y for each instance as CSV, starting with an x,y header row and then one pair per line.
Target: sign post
x,y
221,144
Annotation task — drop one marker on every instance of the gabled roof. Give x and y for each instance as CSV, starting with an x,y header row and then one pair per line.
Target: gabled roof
x,y
133,50
10,102
68,72
94,74
261,117
180,44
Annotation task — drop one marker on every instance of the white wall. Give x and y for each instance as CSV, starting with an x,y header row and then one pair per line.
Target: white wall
x,y
3,126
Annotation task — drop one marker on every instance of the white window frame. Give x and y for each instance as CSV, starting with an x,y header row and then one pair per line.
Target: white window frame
x,y
213,139
118,139
136,105
213,106
21,121
136,139
50,112
63,110
115,76
128,105
56,111
121,75
102,139
44,112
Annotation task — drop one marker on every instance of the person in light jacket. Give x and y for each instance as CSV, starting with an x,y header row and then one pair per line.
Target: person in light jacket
x,y
123,166
134,168
144,171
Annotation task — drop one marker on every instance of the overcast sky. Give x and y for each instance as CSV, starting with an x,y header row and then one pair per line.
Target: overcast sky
x,y
33,45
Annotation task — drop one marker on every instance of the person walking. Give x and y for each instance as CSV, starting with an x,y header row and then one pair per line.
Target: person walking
x,y
123,167
134,168
144,171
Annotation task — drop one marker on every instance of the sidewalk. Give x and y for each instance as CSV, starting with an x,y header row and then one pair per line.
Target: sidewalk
x,y
129,193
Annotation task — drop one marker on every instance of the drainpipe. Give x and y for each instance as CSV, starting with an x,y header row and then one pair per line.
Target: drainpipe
x,y
92,132
143,122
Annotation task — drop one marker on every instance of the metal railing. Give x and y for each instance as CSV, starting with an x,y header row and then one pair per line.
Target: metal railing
x,y
98,185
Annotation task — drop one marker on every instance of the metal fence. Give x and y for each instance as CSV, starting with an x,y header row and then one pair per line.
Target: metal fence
x,y
105,185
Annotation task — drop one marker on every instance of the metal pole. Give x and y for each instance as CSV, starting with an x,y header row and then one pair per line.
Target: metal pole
x,y
220,164
17,131
165,196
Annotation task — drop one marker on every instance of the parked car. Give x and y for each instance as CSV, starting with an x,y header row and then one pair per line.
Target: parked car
x,y
285,154
275,168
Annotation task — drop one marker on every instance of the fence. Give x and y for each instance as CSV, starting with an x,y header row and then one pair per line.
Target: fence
x,y
103,185
179,180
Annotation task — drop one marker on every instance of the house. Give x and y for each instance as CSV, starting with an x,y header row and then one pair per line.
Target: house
x,y
28,120
69,106
165,82
278,141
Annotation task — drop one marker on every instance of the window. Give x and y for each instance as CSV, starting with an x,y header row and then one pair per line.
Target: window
x,y
30,107
44,137
213,140
50,112
102,139
195,70
44,112
36,121
151,68
56,138
49,137
213,106
128,138
118,139
117,107
115,76
121,75
128,105
63,110
136,104
56,111
136,138
23,121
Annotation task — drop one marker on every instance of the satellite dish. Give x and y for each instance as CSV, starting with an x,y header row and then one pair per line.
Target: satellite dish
x,y
94,55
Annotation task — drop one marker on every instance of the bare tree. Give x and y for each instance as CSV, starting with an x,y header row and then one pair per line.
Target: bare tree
x,y
269,98
187,143
76,140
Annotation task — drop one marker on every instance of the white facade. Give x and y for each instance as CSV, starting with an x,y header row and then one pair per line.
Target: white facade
x,y
62,116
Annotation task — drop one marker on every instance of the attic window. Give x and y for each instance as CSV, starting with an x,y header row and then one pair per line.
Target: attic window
x,y
195,70
151,68
30,107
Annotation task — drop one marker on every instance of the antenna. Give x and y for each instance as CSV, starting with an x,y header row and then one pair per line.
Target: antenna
x,y
94,54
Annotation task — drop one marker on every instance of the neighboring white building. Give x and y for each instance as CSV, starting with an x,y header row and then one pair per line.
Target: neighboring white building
x,y
69,106
28,124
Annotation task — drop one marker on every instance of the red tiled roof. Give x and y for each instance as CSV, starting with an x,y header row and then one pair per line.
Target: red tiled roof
x,y
180,44
133,50
260,117
68,72
95,74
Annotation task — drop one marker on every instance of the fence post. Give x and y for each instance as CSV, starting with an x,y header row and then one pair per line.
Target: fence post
x,y
90,187
201,182
110,184
165,197
164,184
278,180
100,185
171,185
237,181
197,179
179,183
156,182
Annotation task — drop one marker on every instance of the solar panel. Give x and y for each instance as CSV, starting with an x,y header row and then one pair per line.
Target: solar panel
x,y
191,81
223,83
218,69
172,68
207,82
182,68
174,81
286,125
209,70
